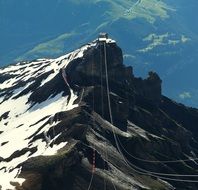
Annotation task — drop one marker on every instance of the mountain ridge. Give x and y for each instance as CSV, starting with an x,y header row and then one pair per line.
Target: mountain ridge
x,y
129,22
56,114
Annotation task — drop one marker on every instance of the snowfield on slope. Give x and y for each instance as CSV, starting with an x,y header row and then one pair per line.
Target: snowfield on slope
x,y
20,120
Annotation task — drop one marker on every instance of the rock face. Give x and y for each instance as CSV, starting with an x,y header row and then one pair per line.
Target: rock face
x,y
122,134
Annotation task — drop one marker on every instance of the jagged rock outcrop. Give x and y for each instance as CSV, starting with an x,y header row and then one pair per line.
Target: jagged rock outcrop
x,y
92,65
134,152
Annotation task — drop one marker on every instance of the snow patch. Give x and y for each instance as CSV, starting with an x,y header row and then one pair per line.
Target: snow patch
x,y
24,120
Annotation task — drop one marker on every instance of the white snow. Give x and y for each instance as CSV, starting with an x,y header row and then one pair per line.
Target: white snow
x,y
7,177
23,120
107,40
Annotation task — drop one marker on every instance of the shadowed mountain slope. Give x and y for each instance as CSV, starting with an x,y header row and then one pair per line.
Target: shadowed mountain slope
x,y
84,120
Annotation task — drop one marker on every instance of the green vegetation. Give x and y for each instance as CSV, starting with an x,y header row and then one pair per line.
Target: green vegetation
x,y
160,40
52,47
184,39
156,40
185,95
147,9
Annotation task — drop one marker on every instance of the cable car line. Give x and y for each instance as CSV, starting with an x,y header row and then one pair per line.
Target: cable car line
x,y
142,171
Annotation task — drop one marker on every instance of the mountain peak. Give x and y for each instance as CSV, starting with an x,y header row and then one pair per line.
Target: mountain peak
x,y
84,114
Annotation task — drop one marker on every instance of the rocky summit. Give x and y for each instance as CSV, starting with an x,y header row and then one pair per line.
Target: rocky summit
x,y
83,121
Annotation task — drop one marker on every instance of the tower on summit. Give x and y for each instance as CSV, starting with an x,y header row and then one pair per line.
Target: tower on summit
x,y
103,37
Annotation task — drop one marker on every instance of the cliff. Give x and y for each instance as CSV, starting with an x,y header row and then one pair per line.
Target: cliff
x,y
118,131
